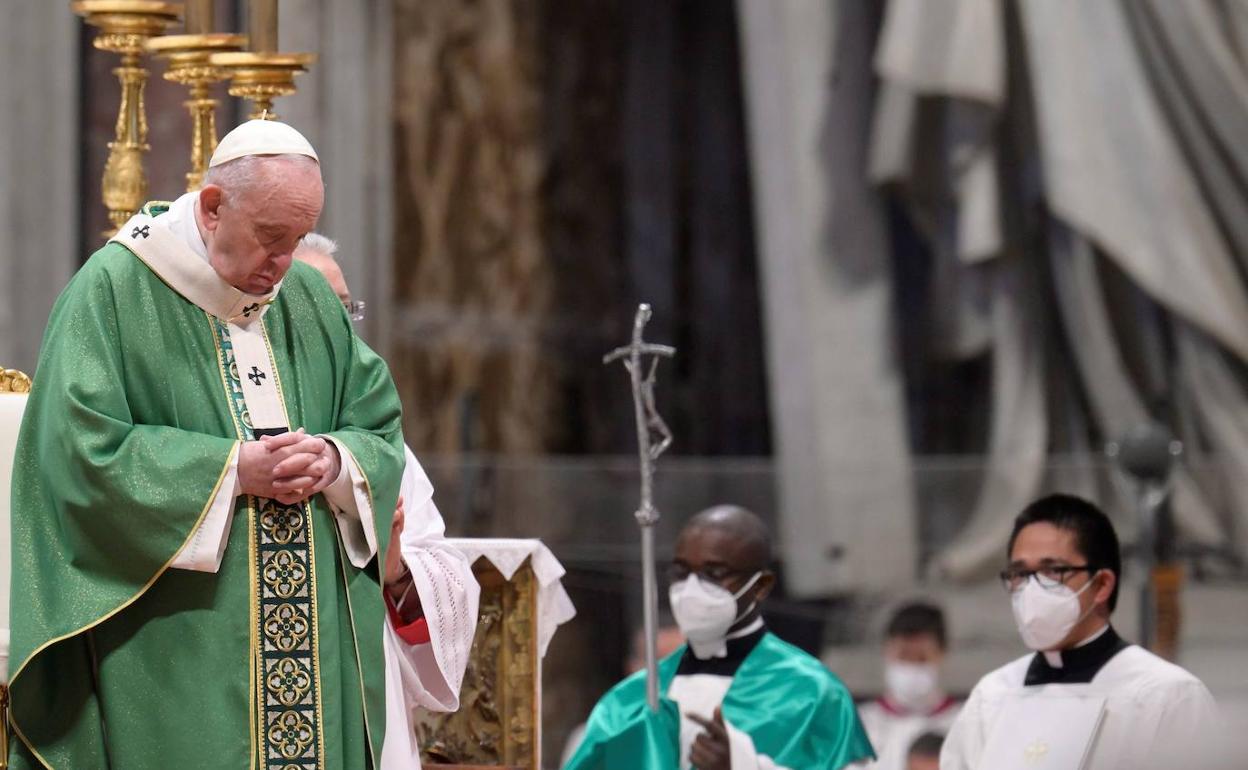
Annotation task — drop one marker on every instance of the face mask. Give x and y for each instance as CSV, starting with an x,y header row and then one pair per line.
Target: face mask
x,y
914,686
1046,616
705,611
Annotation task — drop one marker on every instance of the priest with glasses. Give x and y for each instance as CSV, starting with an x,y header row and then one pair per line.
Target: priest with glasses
x,y
1084,698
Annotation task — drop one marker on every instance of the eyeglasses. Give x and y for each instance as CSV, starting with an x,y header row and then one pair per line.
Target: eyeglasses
x,y
715,573
1049,578
355,309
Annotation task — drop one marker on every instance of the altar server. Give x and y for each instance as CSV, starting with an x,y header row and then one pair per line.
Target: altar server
x,y
1085,698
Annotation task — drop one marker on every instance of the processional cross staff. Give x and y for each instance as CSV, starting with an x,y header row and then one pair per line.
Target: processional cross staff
x,y
650,426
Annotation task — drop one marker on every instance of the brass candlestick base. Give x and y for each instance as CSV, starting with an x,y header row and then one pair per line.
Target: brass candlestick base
x,y
125,26
189,64
262,77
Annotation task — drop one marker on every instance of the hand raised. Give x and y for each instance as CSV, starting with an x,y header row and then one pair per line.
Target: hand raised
x,y
710,749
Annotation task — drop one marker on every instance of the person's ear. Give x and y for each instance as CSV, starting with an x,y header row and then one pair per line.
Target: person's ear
x,y
1105,588
210,201
766,582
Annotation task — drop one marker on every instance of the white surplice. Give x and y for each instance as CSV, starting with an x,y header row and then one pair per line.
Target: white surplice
x,y
893,730
1154,712
427,675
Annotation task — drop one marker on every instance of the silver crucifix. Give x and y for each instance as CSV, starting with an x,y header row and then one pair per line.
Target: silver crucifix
x,y
641,359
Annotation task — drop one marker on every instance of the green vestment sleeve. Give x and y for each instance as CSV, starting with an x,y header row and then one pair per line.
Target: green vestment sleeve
x,y
622,732
102,502
795,711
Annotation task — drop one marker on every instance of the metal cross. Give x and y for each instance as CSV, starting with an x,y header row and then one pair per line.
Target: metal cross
x,y
247,311
650,426
255,376
141,232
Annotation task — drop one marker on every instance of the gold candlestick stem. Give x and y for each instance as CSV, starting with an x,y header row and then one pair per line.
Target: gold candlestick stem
x,y
262,77
125,26
190,64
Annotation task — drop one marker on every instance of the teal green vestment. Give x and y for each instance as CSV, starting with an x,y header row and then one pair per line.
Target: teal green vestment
x,y
796,711
119,661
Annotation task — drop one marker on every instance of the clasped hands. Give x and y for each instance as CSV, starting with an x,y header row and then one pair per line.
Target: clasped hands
x,y
289,467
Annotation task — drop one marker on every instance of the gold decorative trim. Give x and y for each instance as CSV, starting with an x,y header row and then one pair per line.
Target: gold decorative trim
x,y
13,381
496,724
229,460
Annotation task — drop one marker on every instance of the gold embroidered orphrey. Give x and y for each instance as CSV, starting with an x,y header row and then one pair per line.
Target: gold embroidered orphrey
x,y
284,650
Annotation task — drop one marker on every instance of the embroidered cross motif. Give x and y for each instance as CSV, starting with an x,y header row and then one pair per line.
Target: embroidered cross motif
x,y
247,311
255,376
1035,752
140,232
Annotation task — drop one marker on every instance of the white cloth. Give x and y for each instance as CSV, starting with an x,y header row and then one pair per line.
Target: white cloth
x,y
1153,709
892,732
12,407
701,694
554,606
427,675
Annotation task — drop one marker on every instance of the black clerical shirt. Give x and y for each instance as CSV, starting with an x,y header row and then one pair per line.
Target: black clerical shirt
x,y
1079,665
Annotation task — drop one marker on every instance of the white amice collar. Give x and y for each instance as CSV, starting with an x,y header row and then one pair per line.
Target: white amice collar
x,y
175,252
182,222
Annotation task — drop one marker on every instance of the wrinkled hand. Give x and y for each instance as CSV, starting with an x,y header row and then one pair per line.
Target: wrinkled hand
x,y
710,749
289,467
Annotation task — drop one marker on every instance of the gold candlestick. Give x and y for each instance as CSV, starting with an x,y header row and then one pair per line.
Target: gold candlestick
x,y
125,26
189,64
262,77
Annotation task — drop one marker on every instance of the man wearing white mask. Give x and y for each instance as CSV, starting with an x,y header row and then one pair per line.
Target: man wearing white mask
x,y
737,697
1085,698
913,702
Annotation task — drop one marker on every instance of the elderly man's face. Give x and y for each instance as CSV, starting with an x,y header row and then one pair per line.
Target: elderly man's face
x,y
252,237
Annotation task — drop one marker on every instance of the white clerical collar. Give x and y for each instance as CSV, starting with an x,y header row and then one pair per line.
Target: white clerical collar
x,y
181,221
1054,657
718,648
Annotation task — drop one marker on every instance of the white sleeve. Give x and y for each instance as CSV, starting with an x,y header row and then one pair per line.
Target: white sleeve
x,y
965,739
743,756
428,675
204,551
348,497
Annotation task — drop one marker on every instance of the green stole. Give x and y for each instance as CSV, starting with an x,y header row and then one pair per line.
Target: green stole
x,y
276,659
796,711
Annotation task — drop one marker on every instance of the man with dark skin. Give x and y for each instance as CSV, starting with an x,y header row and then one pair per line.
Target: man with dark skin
x,y
742,697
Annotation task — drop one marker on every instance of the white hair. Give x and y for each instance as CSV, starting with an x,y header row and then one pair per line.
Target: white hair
x,y
241,176
320,244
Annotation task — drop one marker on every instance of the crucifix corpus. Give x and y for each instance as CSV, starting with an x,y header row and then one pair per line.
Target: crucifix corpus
x,y
641,359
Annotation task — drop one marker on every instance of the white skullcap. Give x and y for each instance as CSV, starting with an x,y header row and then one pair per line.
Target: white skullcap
x,y
261,137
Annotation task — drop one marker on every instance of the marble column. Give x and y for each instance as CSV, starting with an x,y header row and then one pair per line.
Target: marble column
x,y
847,516
39,138
343,106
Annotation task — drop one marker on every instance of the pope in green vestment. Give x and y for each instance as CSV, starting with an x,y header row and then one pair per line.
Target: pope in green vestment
x,y
133,430
796,713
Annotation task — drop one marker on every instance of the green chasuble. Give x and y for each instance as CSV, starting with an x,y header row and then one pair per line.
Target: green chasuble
x,y
796,712
274,660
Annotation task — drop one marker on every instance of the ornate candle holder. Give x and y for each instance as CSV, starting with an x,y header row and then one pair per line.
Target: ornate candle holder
x,y
189,58
262,77
124,28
